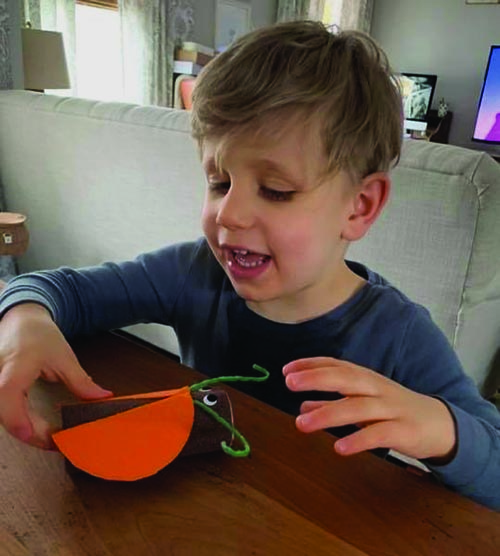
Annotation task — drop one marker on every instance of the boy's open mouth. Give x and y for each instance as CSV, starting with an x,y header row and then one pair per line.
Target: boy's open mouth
x,y
247,259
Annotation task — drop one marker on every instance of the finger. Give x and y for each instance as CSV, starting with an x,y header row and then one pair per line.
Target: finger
x,y
311,405
49,376
14,385
349,411
379,435
14,414
42,432
79,382
350,381
311,363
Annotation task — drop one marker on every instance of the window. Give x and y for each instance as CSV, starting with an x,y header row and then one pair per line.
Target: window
x,y
111,4
332,12
98,46
343,14
327,11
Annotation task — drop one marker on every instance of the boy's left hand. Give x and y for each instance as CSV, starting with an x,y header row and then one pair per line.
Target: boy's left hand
x,y
390,415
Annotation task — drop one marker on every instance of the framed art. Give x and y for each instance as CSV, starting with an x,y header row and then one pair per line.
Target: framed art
x,y
482,1
232,19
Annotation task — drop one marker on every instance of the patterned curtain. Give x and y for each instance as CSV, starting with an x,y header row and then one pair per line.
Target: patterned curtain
x,y
55,15
356,14
6,79
347,14
290,10
147,50
7,266
316,9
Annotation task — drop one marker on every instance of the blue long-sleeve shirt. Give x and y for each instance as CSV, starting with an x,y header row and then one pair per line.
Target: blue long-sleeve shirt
x,y
379,328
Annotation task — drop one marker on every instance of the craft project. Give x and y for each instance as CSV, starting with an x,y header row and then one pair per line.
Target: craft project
x,y
127,438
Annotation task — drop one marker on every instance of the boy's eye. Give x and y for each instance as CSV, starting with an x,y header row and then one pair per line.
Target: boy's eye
x,y
220,187
276,194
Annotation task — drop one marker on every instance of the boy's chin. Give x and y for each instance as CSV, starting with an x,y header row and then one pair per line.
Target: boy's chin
x,y
249,295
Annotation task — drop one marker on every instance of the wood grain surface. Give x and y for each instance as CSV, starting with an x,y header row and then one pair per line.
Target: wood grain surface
x,y
292,496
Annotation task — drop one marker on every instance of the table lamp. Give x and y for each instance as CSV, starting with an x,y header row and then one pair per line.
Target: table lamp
x,y
44,60
14,239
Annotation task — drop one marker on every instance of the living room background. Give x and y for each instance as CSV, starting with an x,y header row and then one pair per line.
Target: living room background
x,y
448,38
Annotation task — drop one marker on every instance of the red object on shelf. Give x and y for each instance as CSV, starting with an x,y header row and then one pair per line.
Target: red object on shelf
x,y
186,89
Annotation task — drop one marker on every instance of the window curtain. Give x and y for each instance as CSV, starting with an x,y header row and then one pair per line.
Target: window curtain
x,y
6,82
290,10
6,79
316,9
356,14
55,15
148,50
344,14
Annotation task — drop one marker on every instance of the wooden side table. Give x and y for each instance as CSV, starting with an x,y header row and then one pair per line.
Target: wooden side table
x,y
14,239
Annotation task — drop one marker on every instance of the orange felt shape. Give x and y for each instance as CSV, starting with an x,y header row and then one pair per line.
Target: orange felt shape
x,y
158,394
133,444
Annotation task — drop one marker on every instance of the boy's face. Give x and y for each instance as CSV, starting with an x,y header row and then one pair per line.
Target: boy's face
x,y
274,224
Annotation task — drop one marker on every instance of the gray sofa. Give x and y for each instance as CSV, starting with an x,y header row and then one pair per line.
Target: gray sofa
x,y
105,181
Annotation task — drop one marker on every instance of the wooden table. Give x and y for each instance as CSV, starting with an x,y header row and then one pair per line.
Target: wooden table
x,y
292,496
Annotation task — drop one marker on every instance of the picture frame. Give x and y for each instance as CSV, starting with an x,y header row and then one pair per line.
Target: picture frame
x,y
482,1
232,20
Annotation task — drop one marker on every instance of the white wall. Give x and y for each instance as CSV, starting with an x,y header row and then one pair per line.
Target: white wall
x,y
445,37
263,13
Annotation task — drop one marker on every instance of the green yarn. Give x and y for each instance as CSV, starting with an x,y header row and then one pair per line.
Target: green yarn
x,y
234,453
209,382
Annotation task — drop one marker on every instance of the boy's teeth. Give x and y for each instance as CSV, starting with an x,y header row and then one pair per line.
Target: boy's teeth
x,y
247,259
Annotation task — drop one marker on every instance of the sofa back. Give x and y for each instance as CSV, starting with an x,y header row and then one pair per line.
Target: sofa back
x,y
438,240
105,181
99,181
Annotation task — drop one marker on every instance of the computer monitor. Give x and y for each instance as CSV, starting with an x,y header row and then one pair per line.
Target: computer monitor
x,y
417,90
487,127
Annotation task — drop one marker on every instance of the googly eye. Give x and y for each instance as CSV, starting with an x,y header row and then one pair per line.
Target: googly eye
x,y
210,399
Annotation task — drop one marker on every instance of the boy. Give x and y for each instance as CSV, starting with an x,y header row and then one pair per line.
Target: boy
x,y
297,129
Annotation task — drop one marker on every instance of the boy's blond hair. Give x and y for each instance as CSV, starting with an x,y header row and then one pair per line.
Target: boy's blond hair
x,y
342,80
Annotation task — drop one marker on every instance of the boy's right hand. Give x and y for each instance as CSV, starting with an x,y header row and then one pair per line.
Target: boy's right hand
x,y
32,346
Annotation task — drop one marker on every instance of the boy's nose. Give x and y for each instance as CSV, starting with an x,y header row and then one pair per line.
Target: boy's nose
x,y
236,210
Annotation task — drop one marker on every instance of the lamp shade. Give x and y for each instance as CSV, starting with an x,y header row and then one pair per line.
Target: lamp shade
x,y
44,60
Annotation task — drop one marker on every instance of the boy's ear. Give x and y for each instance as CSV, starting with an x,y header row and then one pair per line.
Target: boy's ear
x,y
371,196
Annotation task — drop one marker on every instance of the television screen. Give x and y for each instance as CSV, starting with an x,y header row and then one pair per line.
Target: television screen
x,y
487,126
417,90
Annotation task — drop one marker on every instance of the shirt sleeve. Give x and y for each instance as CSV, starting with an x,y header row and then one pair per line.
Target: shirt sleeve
x,y
429,365
110,295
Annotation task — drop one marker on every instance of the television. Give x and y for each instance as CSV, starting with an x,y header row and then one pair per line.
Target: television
x,y
487,126
417,91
